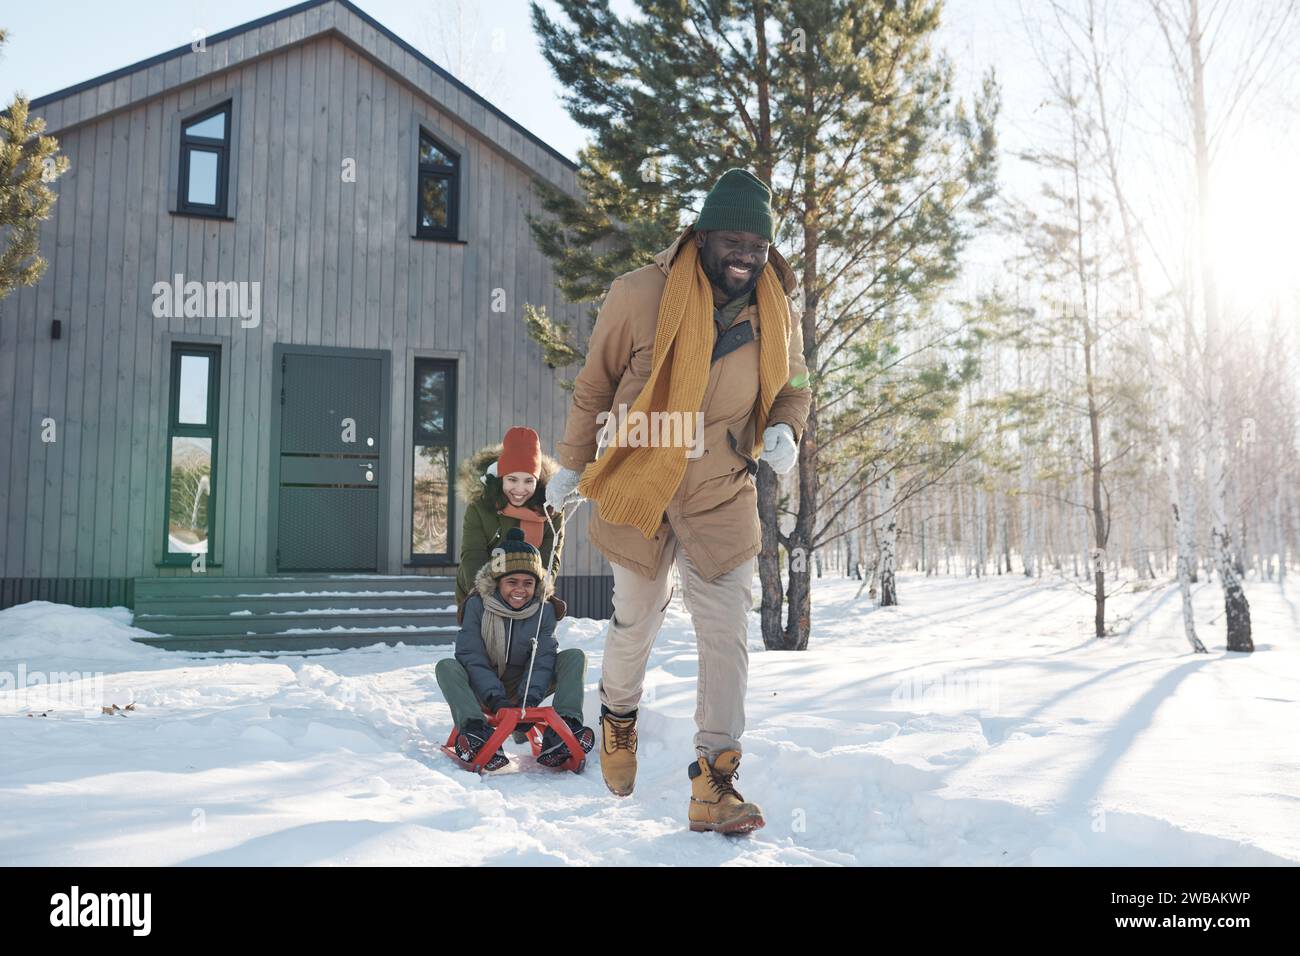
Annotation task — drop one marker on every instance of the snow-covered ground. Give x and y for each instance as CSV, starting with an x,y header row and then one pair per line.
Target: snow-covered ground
x,y
978,723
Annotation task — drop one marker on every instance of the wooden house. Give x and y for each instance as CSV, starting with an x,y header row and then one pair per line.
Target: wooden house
x,y
286,270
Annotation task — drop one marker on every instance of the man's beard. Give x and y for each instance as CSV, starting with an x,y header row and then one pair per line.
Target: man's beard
x,y
716,272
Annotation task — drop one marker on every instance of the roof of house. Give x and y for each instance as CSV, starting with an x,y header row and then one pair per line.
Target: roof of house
x,y
154,76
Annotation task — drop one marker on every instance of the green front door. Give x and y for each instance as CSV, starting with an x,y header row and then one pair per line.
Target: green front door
x,y
332,461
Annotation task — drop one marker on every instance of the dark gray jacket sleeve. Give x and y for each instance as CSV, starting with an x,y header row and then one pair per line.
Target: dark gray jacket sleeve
x,y
544,666
472,653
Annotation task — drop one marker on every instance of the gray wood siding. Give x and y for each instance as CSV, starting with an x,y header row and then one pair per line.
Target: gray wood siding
x,y
337,267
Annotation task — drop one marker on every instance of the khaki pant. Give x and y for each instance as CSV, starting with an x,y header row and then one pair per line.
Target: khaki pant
x,y
719,610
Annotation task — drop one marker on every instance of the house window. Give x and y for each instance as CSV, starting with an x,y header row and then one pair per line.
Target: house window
x,y
438,190
205,163
191,452
433,438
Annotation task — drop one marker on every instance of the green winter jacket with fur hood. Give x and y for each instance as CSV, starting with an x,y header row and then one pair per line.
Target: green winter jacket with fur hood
x,y
484,528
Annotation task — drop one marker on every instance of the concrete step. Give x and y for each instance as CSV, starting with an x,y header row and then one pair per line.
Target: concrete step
x,y
175,605
276,644
205,585
296,621
296,611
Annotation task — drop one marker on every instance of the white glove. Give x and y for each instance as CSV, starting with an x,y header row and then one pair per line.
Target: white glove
x,y
779,449
560,486
491,470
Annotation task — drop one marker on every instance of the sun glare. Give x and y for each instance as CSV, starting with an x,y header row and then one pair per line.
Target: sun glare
x,y
1255,196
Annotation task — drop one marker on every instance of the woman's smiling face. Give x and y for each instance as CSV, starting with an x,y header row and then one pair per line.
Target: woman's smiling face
x,y
516,589
518,486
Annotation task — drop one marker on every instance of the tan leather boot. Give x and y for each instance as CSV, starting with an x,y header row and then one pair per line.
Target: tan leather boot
x,y
715,804
618,752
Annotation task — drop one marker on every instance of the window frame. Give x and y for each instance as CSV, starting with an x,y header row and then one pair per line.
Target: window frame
x,y
190,143
451,174
177,429
450,365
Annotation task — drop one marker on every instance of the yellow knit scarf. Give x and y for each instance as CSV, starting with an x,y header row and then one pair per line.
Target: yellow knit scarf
x,y
633,485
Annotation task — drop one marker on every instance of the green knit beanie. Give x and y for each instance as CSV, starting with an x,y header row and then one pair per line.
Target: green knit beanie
x,y
739,200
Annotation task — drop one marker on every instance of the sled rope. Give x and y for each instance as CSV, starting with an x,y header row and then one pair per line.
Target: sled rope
x,y
573,495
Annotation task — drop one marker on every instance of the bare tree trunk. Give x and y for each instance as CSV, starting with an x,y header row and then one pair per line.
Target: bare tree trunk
x,y
769,560
1295,515
1279,531
1101,527
923,522
1079,546
947,536
962,531
1190,517
889,536
1236,607
870,552
1181,540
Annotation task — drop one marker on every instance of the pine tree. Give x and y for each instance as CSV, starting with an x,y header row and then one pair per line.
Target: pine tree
x,y
842,108
29,163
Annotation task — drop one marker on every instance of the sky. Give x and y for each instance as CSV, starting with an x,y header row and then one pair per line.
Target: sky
x,y
54,46
489,45
51,47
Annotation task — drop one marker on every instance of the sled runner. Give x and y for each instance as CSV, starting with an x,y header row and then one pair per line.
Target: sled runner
x,y
504,722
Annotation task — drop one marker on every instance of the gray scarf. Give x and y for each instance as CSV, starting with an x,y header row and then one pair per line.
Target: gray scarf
x,y
495,612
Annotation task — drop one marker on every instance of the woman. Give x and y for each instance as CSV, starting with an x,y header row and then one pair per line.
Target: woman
x,y
504,487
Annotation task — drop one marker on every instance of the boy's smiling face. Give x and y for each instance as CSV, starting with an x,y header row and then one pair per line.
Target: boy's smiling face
x,y
518,486
516,589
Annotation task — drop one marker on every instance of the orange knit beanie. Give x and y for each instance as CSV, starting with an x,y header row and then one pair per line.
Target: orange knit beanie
x,y
521,450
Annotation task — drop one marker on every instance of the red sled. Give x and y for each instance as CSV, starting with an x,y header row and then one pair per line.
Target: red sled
x,y
505,721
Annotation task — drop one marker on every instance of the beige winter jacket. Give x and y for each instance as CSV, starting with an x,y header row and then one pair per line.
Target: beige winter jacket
x,y
714,511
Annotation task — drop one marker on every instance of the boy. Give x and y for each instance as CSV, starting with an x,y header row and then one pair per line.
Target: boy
x,y
493,650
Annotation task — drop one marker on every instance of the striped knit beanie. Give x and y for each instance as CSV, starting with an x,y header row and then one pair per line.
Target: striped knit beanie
x,y
516,555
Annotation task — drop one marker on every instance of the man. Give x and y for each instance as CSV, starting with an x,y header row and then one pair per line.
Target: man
x,y
706,332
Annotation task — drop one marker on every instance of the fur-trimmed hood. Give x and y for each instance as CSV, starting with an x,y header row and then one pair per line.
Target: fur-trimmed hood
x,y
470,485
486,585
